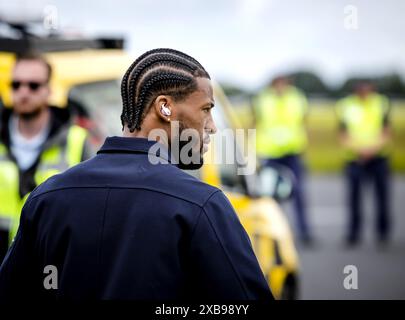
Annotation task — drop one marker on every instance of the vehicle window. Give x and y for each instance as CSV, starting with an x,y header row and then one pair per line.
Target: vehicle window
x,y
228,167
102,103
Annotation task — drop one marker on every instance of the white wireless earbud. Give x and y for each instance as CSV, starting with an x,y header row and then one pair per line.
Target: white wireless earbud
x,y
165,110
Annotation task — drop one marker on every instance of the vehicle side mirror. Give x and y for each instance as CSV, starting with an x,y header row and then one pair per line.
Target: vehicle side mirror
x,y
276,182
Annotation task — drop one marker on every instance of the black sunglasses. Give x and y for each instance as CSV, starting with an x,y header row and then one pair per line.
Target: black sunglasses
x,y
31,84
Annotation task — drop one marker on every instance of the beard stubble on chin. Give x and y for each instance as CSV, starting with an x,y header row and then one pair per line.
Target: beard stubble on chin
x,y
193,165
27,116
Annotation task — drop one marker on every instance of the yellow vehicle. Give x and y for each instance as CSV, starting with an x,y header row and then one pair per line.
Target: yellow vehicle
x,y
88,80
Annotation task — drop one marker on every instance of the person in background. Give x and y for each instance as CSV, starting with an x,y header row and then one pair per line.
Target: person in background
x,y
279,112
36,141
365,133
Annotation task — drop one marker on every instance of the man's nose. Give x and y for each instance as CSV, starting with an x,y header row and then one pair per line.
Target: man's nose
x,y
23,91
211,127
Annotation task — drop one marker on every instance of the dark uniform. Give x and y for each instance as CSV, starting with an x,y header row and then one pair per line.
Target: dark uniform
x,y
119,227
364,120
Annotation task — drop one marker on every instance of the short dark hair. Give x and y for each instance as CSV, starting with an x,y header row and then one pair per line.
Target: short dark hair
x,y
34,56
157,72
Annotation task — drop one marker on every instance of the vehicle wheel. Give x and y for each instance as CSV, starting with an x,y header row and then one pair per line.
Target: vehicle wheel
x,y
290,288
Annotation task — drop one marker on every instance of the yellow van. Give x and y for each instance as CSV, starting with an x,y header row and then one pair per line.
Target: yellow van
x,y
89,79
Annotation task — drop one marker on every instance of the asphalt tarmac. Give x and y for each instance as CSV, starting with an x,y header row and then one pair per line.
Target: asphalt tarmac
x,y
380,269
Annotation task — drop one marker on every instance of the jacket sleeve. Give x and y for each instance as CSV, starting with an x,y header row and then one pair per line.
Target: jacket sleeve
x,y
223,257
18,275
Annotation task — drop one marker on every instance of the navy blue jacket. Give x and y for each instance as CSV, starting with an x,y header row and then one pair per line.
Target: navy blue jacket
x,y
119,227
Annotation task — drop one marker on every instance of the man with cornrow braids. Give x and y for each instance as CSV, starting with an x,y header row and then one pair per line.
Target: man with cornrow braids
x,y
129,223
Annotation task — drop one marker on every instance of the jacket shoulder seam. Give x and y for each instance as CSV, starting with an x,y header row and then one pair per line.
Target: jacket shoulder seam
x,y
226,254
200,213
212,192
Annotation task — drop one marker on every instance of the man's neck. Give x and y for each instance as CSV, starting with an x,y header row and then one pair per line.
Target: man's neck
x,y
29,128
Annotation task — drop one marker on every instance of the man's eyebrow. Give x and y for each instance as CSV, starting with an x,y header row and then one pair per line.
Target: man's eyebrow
x,y
211,104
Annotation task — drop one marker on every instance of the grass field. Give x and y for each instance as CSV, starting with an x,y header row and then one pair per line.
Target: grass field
x,y
324,153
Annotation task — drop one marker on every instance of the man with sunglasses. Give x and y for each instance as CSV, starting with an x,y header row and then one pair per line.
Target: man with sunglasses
x,y
36,141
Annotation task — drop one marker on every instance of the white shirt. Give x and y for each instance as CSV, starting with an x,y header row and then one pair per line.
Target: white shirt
x,y
25,150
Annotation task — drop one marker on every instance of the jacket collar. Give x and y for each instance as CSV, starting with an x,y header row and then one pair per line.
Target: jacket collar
x,y
134,145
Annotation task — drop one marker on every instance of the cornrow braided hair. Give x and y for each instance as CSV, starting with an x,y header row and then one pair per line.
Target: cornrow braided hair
x,y
157,72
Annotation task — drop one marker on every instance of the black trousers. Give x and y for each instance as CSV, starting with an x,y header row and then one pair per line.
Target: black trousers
x,y
376,171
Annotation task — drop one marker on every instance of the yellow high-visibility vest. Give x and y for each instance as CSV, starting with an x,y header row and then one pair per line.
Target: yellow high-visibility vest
x,y
53,160
363,119
280,123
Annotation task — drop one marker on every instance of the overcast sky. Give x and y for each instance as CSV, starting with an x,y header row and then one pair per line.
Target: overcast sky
x,y
247,41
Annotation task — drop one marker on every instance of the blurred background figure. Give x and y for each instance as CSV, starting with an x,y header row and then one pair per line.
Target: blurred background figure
x,y
36,141
280,111
365,133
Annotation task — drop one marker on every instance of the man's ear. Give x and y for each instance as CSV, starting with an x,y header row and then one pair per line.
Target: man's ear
x,y
163,107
